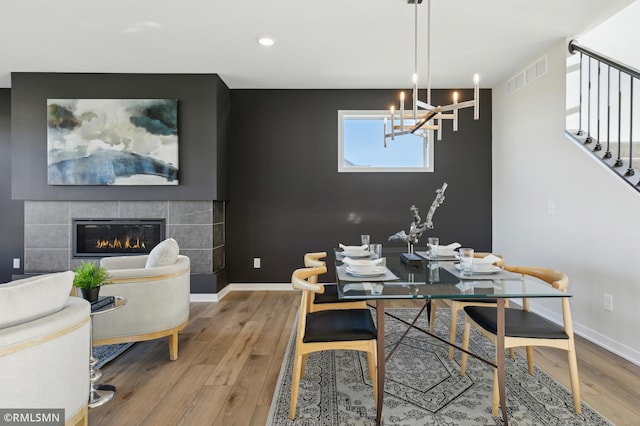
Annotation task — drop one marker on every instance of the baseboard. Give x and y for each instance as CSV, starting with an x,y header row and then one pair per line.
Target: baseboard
x,y
593,336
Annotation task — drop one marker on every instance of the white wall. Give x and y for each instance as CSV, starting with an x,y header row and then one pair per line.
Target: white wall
x,y
554,205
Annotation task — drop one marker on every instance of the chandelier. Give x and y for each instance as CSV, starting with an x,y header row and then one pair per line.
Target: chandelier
x,y
425,116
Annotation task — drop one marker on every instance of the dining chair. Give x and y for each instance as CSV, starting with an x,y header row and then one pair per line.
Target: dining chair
x,y
335,329
525,328
457,305
328,297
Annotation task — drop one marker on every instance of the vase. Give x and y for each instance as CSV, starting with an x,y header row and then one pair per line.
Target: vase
x,y
90,294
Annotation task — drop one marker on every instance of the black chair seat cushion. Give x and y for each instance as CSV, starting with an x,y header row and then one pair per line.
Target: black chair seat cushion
x,y
517,323
330,295
339,325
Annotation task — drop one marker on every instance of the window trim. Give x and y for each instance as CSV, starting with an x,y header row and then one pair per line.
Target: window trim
x,y
373,114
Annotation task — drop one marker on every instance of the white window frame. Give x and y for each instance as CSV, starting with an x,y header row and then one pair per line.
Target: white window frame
x,y
380,115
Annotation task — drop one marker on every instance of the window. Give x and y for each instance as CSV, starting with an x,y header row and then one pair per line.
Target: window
x,y
361,146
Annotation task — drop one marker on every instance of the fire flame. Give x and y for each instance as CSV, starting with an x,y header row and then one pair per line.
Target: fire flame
x,y
129,243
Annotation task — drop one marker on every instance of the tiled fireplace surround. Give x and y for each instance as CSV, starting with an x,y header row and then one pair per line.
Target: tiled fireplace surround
x,y
197,226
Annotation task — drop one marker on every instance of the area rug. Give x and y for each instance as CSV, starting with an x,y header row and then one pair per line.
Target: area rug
x,y
107,353
422,386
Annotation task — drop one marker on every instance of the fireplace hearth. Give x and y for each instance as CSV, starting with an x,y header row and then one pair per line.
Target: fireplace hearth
x,y
115,237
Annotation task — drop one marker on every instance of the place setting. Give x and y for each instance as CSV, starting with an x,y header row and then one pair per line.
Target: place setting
x,y
363,262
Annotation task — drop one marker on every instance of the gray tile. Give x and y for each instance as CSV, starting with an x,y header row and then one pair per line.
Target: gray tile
x,y
43,260
201,261
192,236
218,211
218,258
93,209
218,235
47,236
144,209
46,212
190,212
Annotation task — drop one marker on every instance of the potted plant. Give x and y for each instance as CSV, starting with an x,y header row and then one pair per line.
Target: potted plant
x,y
89,277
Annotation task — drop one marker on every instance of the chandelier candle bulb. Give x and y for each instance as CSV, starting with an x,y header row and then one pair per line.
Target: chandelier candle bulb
x,y
415,96
455,112
476,97
385,132
393,130
402,111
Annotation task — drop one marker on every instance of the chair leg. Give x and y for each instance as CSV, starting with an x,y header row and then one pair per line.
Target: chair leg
x,y
465,346
304,363
432,317
512,353
530,359
295,382
452,330
495,404
575,382
173,346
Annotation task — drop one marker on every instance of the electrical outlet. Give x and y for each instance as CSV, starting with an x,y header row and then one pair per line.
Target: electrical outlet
x,y
16,263
256,263
608,302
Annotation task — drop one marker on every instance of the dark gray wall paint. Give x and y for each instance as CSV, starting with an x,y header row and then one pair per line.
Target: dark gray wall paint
x,y
11,224
287,198
200,96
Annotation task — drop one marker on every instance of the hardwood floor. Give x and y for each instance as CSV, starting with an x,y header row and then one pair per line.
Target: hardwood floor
x,y
230,356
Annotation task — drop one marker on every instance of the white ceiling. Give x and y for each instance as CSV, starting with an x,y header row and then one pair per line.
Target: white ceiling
x,y
321,44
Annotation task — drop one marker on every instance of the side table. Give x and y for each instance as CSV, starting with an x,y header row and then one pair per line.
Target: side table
x,y
101,393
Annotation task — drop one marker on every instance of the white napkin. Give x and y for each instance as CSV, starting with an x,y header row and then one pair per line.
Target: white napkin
x,y
363,247
362,262
487,260
448,249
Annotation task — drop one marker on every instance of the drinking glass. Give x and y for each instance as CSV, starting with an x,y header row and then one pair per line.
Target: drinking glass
x,y
376,251
433,247
466,261
365,240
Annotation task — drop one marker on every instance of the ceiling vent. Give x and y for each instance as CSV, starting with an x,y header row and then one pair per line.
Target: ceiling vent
x,y
526,76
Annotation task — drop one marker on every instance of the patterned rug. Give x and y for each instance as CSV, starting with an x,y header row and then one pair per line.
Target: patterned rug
x,y
422,386
107,353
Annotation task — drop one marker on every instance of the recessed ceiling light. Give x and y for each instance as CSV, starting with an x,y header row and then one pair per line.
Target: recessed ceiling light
x,y
266,41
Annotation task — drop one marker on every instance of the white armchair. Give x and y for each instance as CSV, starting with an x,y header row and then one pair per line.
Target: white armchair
x,y
157,301
45,346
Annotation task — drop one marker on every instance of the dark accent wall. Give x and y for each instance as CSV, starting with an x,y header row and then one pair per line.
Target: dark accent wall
x,y
203,107
11,228
287,197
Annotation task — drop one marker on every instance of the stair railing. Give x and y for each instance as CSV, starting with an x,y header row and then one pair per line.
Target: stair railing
x,y
586,136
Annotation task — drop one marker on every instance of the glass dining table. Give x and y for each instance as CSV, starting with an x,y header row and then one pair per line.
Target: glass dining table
x,y
432,279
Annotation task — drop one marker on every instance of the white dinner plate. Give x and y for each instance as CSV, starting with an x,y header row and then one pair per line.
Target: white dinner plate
x,y
374,271
481,269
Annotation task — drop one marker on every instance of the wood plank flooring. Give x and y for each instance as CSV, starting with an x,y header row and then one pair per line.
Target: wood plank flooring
x,y
230,356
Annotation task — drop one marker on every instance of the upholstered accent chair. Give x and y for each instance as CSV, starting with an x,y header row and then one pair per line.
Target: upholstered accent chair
x,y
157,289
45,346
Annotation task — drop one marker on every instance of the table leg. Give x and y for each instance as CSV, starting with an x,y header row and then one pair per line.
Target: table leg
x,y
500,359
381,359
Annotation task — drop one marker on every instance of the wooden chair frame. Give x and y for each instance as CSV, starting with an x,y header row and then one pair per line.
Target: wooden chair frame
x,y
458,305
313,260
301,279
560,281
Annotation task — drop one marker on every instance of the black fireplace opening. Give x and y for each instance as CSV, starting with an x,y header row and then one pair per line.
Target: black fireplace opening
x,y
115,237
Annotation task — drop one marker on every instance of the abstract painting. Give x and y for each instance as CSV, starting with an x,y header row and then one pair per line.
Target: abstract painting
x,y
112,141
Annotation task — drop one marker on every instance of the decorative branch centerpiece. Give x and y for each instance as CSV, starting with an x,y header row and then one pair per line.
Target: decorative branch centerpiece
x,y
417,227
